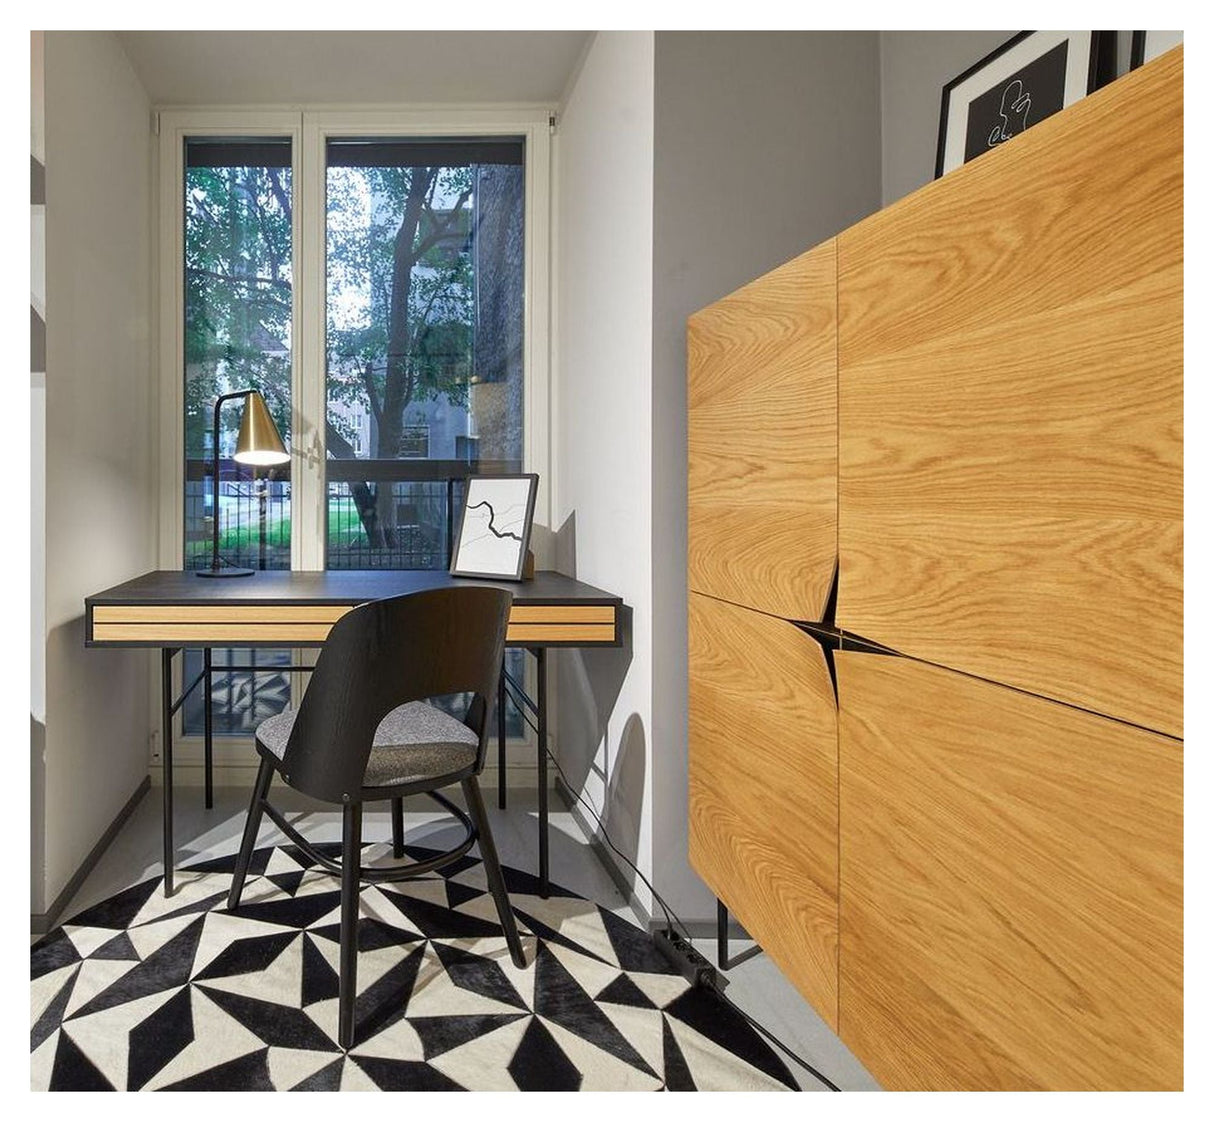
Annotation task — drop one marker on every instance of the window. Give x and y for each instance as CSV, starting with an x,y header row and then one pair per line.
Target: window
x,y
237,317
424,337
381,277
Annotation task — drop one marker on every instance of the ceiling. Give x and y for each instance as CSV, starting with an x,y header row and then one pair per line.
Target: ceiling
x,y
300,67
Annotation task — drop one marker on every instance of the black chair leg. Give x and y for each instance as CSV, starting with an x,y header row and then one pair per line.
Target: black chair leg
x,y
347,985
493,868
398,828
252,824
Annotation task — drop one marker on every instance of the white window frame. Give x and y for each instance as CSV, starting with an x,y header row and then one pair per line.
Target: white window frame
x,y
308,128
174,127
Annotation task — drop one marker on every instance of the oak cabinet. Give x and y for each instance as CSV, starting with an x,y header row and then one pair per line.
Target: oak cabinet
x,y
949,443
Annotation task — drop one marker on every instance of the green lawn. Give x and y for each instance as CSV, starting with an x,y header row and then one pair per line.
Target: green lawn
x,y
344,527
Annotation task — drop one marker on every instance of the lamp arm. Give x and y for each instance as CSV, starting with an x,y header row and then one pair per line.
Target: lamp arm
x,y
215,474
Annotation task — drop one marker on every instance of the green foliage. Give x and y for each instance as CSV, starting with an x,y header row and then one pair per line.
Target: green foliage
x,y
237,293
238,289
378,243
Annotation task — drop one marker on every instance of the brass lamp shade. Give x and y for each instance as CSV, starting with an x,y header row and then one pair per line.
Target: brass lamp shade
x,y
258,441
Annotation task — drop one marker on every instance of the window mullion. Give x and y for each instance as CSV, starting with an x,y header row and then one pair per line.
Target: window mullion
x,y
309,450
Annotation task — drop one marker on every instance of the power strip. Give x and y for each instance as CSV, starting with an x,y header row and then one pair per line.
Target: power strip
x,y
687,960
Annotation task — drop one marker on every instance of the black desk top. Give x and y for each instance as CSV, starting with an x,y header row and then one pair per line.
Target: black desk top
x,y
348,586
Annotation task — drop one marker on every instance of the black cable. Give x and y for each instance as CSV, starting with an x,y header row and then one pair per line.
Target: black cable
x,y
778,1043
670,924
670,917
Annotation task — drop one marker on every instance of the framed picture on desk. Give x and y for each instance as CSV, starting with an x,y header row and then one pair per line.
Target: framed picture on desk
x,y
495,526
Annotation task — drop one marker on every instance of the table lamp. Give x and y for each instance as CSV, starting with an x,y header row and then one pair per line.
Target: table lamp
x,y
257,443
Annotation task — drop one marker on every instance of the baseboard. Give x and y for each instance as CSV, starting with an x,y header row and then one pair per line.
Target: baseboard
x,y
697,928
42,922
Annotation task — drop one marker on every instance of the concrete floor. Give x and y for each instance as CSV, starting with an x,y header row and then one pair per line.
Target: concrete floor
x,y
756,986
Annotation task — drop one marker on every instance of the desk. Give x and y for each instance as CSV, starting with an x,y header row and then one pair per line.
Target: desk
x,y
172,609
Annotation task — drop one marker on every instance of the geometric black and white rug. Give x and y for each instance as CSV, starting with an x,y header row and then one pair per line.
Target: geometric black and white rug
x,y
144,993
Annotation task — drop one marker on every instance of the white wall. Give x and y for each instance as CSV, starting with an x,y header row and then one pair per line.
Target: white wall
x,y
603,273
99,514
765,145
37,432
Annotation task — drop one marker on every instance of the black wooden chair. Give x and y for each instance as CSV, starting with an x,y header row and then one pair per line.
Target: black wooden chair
x,y
364,733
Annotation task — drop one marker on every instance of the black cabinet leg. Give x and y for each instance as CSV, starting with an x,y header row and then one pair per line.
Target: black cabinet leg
x,y
723,959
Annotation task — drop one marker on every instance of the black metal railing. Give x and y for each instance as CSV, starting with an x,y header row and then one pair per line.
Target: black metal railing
x,y
419,517
412,527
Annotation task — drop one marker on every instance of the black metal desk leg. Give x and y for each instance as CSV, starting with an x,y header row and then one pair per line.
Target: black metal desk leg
x,y
207,731
501,738
541,703
166,761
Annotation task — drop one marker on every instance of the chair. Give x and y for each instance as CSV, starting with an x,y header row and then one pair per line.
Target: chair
x,y
364,733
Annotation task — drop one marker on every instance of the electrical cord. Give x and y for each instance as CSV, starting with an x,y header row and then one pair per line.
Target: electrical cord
x,y
672,919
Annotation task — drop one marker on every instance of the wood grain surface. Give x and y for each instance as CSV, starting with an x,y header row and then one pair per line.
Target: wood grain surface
x,y
211,624
1010,887
763,787
1011,410
218,613
210,634
762,441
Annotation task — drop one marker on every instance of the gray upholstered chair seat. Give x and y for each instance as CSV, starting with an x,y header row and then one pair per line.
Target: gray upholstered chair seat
x,y
413,742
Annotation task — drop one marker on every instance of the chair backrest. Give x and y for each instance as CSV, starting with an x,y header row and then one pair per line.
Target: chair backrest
x,y
384,654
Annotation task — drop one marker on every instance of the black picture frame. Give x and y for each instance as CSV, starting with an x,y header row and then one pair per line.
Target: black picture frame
x,y
978,97
461,564
1146,45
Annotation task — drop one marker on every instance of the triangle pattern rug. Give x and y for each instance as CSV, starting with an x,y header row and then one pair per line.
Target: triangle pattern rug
x,y
146,993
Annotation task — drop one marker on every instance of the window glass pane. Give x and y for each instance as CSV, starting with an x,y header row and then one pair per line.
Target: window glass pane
x,y
424,318
424,329
237,271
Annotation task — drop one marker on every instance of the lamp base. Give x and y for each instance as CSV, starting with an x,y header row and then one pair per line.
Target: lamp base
x,y
224,572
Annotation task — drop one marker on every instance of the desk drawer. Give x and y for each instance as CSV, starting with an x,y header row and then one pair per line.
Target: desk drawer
x,y
308,624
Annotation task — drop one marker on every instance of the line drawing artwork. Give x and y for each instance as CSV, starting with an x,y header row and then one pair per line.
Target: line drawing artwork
x,y
1017,102
493,529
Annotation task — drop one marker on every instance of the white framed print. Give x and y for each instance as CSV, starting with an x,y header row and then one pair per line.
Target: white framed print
x,y
1146,45
1023,81
495,526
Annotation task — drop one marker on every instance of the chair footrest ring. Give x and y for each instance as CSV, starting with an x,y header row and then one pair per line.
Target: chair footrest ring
x,y
400,871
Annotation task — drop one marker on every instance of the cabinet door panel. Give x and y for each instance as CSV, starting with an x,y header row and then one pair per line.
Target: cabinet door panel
x,y
1010,887
764,778
1011,412
762,441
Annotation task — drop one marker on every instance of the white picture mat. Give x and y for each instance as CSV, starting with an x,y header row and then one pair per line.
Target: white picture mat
x,y
1157,42
479,549
1078,62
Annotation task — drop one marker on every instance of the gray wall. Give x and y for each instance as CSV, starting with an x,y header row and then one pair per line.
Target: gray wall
x,y
915,66
764,145
99,509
